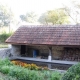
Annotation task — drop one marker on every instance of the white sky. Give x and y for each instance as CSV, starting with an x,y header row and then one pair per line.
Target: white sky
x,y
37,6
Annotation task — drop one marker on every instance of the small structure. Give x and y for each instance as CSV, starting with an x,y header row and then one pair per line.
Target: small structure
x,y
58,44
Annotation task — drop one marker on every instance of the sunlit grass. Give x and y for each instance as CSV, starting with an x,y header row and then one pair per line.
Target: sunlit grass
x,y
3,45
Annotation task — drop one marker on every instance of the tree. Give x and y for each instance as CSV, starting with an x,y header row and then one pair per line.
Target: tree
x,y
54,16
43,18
23,17
76,3
73,11
29,17
6,16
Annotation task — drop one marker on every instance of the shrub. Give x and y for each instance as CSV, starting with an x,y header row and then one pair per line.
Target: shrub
x,y
47,75
6,77
5,62
4,69
52,75
73,73
56,76
21,73
24,74
4,36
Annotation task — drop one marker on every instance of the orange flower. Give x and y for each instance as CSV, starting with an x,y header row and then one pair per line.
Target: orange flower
x,y
29,66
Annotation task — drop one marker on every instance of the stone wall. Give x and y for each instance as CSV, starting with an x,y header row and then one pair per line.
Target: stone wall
x,y
42,50
5,53
15,50
57,51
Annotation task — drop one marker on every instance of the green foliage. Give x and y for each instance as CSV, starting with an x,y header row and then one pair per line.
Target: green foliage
x,y
21,73
5,69
47,75
5,62
6,16
55,17
4,36
29,17
74,9
56,76
6,77
23,17
73,73
43,18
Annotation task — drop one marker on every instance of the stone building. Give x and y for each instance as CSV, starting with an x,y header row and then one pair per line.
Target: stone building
x,y
55,42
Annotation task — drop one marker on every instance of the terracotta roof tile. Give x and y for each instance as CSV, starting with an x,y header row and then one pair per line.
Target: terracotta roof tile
x,y
49,35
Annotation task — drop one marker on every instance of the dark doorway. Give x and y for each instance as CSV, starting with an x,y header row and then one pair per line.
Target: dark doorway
x,y
32,52
35,53
23,50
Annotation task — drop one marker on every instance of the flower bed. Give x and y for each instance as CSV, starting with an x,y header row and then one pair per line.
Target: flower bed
x,y
22,73
29,66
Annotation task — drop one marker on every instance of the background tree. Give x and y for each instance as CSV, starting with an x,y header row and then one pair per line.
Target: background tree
x,y
54,16
73,11
29,17
6,16
43,18
23,17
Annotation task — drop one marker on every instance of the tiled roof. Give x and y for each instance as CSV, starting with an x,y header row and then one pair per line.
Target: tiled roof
x,y
49,35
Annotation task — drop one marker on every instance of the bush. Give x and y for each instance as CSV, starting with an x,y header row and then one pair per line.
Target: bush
x,y
4,36
21,73
4,69
24,74
6,77
73,73
5,62
56,76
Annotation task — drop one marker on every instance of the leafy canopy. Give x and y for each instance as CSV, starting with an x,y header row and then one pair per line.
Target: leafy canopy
x,y
6,16
54,16
29,17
